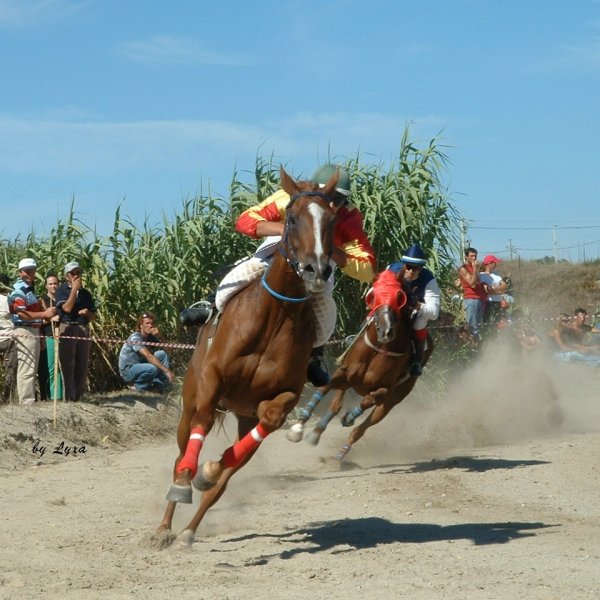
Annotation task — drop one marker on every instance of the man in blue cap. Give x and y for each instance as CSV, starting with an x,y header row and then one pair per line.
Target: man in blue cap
x,y
424,285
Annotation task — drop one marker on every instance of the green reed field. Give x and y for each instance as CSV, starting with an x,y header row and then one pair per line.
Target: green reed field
x,y
164,268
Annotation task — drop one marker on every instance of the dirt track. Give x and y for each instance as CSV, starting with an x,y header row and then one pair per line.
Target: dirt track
x,y
479,497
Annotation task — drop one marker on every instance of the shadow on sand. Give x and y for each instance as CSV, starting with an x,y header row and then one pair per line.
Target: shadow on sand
x,y
354,534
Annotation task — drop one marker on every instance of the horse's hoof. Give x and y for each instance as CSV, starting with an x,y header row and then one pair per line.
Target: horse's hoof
x,y
185,539
200,482
295,432
313,437
180,493
163,538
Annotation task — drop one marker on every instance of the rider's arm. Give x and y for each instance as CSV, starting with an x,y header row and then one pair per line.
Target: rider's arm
x,y
269,214
430,308
350,237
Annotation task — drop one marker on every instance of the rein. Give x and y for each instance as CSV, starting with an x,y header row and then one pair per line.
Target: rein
x,y
371,345
288,252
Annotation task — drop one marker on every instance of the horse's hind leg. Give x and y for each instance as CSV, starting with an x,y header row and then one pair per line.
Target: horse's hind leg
x,y
374,417
334,408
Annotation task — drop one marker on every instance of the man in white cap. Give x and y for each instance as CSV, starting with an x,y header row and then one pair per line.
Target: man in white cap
x,y
76,309
27,315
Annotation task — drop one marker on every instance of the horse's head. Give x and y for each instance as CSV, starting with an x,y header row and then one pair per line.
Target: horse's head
x,y
385,301
308,233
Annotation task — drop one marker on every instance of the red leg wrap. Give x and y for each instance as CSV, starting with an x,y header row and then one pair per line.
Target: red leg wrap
x,y
235,454
421,334
192,452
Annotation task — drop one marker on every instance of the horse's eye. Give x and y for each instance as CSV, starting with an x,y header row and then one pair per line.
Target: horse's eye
x,y
291,220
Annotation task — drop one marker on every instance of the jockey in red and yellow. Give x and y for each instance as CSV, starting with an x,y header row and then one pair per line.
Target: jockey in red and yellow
x,y
349,235
352,253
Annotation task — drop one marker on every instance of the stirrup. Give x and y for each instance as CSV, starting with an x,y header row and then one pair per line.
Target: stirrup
x,y
415,369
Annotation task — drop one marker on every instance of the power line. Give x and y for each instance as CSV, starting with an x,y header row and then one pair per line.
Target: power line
x,y
536,228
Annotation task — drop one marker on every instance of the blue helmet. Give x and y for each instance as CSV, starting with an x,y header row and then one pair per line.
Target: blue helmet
x,y
414,255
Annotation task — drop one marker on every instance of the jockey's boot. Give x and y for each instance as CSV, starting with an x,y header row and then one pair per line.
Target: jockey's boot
x,y
197,314
416,367
317,373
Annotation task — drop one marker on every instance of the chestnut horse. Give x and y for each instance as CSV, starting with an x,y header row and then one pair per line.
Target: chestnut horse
x,y
376,366
253,360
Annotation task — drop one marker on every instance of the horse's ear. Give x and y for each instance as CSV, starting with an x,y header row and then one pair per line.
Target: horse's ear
x,y
329,187
287,183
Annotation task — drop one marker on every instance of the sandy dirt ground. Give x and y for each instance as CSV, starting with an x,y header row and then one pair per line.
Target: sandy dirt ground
x,y
486,489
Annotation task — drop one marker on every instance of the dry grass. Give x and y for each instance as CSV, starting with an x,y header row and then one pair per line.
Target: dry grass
x,y
545,290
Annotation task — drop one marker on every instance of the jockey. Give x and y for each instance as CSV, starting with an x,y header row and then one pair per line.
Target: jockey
x,y
424,285
352,253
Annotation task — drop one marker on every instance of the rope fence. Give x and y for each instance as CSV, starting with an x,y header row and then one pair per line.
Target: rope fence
x,y
101,340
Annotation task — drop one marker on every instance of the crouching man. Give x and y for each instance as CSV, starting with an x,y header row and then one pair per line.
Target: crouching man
x,y
141,366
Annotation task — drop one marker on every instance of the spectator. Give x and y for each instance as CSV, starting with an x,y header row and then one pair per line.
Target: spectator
x,y
140,366
523,332
422,281
474,296
7,343
494,287
53,387
76,309
27,315
567,342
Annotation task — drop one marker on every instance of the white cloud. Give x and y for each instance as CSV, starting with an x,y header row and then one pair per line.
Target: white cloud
x,y
24,13
169,50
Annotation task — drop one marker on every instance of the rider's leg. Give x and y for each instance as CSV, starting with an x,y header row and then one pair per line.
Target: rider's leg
x,y
420,341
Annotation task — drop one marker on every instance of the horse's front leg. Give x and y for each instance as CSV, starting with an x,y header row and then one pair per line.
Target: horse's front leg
x,y
196,421
212,494
334,408
272,414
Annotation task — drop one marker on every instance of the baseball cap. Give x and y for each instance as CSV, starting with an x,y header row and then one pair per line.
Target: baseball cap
x,y
71,266
490,258
27,263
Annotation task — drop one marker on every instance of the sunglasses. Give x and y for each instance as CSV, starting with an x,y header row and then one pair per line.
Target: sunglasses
x,y
410,267
76,273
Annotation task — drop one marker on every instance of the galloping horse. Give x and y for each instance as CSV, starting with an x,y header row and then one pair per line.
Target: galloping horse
x,y
253,361
376,366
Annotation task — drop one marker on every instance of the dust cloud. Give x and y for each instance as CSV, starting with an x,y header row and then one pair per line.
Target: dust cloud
x,y
501,397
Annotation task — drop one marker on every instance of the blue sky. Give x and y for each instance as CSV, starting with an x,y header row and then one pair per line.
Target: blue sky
x,y
144,103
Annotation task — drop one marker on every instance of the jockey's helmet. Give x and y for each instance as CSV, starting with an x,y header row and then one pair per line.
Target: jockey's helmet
x,y
414,255
323,174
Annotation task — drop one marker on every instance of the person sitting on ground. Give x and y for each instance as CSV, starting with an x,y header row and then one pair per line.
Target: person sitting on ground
x,y
352,253
141,366
423,284
567,342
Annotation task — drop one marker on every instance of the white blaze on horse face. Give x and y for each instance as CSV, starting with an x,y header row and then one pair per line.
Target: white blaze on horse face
x,y
317,213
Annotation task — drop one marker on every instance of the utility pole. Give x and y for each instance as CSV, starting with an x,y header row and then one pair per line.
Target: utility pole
x,y
510,249
554,243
